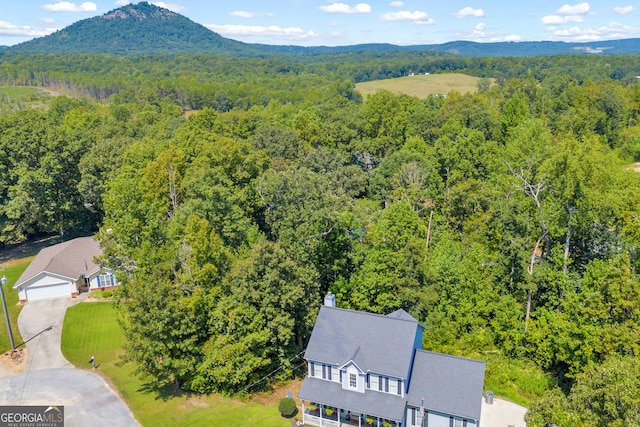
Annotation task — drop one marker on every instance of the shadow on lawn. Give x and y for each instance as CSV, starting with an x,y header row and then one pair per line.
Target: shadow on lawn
x,y
162,392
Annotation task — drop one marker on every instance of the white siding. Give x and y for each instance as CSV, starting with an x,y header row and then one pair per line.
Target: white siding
x,y
346,379
434,419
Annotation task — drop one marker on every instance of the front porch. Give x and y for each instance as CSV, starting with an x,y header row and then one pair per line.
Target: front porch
x,y
315,414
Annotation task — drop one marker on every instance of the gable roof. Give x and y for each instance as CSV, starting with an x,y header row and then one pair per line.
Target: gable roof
x,y
70,259
448,384
376,343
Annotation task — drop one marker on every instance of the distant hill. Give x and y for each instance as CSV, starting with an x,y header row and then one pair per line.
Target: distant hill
x,y
468,48
144,28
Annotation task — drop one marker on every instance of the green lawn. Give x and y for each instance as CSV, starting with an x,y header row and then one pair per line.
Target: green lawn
x,y
422,85
12,271
91,329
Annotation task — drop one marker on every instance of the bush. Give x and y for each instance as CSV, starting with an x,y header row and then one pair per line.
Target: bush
x,y
287,407
106,294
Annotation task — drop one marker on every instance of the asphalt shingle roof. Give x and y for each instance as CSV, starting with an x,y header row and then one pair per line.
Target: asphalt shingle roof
x,y
373,403
70,259
449,384
378,344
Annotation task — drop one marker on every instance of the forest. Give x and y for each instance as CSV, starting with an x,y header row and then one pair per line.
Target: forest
x,y
230,195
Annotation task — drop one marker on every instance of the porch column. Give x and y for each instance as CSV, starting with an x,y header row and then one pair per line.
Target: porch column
x,y
321,411
302,411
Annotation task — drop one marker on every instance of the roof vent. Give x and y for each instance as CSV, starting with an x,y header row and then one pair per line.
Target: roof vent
x,y
330,300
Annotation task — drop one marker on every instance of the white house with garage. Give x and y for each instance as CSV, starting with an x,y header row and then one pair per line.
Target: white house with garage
x,y
366,369
64,270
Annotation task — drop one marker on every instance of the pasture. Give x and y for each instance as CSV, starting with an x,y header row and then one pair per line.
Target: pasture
x,y
421,85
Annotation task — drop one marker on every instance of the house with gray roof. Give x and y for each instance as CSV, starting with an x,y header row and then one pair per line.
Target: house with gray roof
x,y
367,369
64,270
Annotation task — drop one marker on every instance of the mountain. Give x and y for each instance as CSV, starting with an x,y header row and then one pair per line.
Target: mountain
x,y
144,28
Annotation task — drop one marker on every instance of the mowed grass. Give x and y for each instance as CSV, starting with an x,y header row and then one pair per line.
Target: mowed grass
x,y
422,86
12,271
91,329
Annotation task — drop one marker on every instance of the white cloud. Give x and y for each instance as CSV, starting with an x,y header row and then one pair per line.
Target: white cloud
x,y
248,15
405,15
478,30
470,12
611,31
396,4
512,38
576,9
557,20
623,10
345,8
271,31
122,2
171,6
8,29
65,6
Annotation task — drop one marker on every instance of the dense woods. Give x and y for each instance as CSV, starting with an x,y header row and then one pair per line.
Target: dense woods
x,y
231,195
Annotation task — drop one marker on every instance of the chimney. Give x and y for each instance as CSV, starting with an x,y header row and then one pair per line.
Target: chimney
x,y
330,300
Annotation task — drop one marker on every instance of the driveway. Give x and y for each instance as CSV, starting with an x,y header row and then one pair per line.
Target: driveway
x,y
49,379
502,413
43,344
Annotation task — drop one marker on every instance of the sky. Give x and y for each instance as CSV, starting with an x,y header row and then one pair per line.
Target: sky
x,y
349,22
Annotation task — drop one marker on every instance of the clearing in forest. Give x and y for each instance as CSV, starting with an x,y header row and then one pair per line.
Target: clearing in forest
x,y
422,85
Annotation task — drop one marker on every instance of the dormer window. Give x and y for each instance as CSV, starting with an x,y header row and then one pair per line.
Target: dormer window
x,y
353,380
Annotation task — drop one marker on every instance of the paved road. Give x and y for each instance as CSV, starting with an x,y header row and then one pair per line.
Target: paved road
x,y
49,379
86,398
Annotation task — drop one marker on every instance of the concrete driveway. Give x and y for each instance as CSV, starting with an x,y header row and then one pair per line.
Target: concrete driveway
x,y
49,379
502,413
43,344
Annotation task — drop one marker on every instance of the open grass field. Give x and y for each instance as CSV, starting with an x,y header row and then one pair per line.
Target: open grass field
x,y
91,329
17,97
422,85
12,270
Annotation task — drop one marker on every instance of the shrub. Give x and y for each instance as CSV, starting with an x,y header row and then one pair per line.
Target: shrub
x,y
287,407
106,294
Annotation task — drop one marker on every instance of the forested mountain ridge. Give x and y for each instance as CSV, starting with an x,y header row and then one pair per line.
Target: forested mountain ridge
x,y
134,29
144,28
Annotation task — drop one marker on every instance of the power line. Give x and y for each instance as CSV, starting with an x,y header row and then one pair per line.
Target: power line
x,y
270,374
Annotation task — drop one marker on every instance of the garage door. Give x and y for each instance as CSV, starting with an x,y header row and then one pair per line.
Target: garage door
x,y
48,291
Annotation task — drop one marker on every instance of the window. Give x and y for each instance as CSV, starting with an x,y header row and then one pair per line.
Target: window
x,y
326,372
368,381
105,280
457,422
353,381
312,369
383,384
413,416
399,389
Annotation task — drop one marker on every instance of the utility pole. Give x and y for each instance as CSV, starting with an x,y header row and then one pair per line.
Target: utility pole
x,y
3,281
